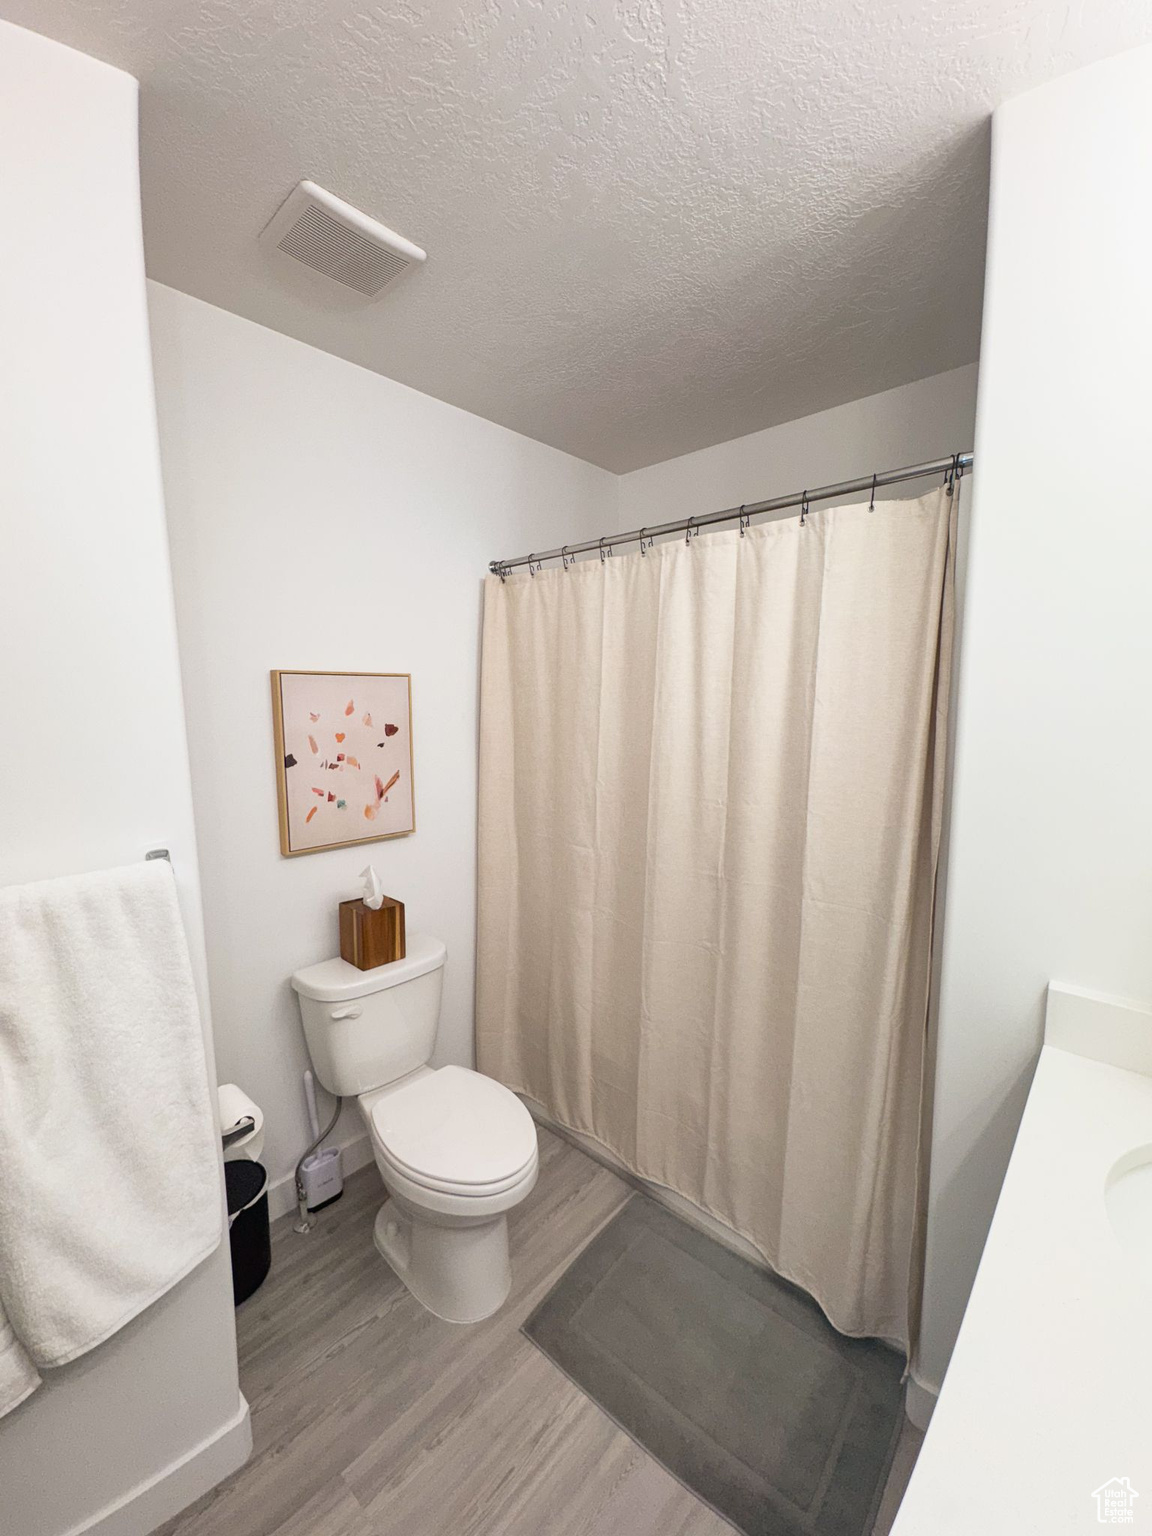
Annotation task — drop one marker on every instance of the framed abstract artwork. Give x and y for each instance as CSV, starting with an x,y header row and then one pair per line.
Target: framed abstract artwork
x,y
343,758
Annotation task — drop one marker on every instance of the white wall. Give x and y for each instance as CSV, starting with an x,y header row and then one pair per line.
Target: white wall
x,y
1051,862
322,516
929,419
95,769
291,476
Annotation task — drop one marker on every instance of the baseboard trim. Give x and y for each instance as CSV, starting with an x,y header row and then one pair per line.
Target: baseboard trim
x,y
357,1152
149,1504
919,1403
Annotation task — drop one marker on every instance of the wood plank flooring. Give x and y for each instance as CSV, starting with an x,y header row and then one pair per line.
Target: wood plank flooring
x,y
372,1418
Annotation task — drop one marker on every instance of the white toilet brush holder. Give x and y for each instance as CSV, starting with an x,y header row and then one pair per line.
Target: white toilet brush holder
x,y
322,1175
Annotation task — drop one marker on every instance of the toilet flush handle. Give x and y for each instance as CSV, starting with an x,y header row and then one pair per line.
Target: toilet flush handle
x,y
344,1013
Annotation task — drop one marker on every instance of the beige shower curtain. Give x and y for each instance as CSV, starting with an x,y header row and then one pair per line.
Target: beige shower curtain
x,y
710,792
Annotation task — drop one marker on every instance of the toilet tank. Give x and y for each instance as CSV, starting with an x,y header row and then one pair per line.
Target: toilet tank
x,y
365,1029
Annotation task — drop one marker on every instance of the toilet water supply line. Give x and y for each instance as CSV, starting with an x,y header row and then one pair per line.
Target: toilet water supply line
x,y
304,1224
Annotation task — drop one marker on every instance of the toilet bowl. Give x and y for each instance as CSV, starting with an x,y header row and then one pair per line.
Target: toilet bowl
x,y
456,1150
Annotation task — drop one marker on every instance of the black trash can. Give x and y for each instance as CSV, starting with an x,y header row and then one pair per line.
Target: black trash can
x,y
246,1184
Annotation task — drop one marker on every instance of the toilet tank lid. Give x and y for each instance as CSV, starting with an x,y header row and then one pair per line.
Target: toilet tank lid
x,y
333,981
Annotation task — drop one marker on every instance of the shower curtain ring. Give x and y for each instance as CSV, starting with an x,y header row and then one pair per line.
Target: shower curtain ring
x,y
531,568
688,531
872,498
643,531
602,555
745,520
564,556
503,574
803,508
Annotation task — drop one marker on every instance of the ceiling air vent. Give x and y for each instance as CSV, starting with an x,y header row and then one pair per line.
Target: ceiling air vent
x,y
344,245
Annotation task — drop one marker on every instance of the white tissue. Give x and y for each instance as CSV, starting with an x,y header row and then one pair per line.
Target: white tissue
x,y
373,890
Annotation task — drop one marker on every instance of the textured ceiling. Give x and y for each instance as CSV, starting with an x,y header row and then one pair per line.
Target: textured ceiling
x,y
651,224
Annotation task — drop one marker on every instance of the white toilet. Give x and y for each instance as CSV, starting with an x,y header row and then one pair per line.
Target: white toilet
x,y
456,1150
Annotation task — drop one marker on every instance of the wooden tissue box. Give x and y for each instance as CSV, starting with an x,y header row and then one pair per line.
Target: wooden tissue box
x,y
371,936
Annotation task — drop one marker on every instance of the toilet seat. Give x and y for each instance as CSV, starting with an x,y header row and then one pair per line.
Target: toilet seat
x,y
455,1132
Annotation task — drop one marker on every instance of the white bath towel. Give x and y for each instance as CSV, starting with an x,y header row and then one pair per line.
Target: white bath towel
x,y
19,1378
109,1162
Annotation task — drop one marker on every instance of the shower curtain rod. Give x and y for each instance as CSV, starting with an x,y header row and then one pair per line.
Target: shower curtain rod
x,y
954,466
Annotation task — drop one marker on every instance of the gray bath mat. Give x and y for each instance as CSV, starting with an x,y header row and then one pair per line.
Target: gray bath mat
x,y
732,1378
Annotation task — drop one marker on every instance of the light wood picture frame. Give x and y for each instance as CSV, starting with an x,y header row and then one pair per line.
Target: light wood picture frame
x,y
343,758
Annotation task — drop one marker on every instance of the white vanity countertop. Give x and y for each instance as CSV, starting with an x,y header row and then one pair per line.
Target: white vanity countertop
x,y
1048,1396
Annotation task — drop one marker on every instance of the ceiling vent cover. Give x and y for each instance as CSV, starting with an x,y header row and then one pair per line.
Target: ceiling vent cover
x,y
344,245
